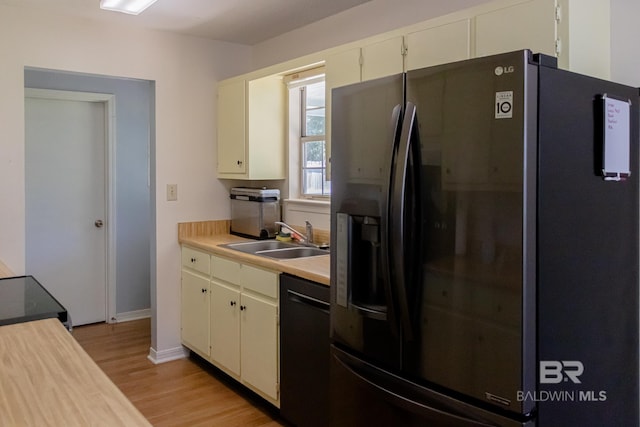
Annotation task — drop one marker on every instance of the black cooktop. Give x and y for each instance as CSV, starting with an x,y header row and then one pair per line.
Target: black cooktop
x,y
23,299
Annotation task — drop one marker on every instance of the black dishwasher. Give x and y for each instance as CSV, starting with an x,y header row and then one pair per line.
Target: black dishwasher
x,y
304,351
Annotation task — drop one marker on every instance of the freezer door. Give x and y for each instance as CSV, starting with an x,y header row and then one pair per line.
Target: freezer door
x,y
473,312
364,395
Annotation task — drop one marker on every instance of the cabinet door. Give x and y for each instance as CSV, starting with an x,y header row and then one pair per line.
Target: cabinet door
x,y
341,69
439,45
259,343
231,128
584,30
529,25
225,326
195,312
266,126
383,58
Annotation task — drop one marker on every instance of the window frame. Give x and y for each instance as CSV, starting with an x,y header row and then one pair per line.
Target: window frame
x,y
297,113
305,138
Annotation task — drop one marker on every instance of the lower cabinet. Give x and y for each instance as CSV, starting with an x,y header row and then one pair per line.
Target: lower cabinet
x,y
225,326
259,344
238,324
244,336
195,312
194,304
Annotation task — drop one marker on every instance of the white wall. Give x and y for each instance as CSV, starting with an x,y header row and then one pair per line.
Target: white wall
x,y
185,71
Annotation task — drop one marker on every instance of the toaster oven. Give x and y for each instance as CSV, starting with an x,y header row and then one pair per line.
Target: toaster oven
x,y
254,212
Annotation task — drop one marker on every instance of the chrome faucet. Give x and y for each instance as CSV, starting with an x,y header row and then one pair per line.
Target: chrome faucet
x,y
305,240
309,232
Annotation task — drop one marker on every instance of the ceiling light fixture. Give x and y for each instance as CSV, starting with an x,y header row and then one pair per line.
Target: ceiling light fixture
x,y
132,7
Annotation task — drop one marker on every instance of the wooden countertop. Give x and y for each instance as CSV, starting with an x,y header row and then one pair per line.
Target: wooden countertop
x,y
47,379
314,268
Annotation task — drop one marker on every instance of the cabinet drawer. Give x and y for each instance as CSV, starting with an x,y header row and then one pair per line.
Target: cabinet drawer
x,y
199,261
249,278
261,281
224,269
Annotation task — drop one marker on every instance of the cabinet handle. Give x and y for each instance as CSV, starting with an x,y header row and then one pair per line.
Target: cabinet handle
x,y
232,303
204,291
243,307
239,162
193,260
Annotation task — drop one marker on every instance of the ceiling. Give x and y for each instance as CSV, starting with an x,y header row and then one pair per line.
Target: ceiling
x,y
239,21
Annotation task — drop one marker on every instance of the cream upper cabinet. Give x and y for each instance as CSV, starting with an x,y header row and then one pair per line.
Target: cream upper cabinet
x,y
528,25
577,32
383,58
439,45
251,128
584,36
342,68
231,128
195,300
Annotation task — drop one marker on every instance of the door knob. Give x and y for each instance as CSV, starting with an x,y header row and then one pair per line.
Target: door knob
x,y
98,223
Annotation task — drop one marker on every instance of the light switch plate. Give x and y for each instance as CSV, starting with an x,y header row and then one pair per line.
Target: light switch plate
x,y
172,192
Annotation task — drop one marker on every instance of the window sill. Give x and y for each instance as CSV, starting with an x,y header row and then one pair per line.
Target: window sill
x,y
308,202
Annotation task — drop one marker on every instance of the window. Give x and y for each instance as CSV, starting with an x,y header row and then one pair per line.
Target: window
x,y
313,170
307,154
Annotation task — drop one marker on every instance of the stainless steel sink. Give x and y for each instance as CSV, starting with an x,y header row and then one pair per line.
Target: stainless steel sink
x,y
276,249
297,252
261,245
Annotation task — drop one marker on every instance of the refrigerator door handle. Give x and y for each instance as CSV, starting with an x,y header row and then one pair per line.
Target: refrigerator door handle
x,y
396,122
397,204
408,396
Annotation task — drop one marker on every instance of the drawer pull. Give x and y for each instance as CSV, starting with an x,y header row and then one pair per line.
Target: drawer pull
x,y
243,307
232,303
204,290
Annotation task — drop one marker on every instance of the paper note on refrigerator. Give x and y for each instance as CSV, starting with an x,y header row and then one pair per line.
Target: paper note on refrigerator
x,y
617,139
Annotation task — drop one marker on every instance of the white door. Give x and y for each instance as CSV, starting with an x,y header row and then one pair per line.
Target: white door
x,y
66,203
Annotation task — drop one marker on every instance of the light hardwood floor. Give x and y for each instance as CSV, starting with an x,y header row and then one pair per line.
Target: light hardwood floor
x,y
186,392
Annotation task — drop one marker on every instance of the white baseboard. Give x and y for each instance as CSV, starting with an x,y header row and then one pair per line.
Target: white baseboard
x,y
163,356
132,315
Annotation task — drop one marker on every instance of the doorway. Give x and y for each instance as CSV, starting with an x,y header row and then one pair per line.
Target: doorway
x,y
69,221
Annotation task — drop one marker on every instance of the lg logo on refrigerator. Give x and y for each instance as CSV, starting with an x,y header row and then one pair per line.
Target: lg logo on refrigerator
x,y
504,70
556,371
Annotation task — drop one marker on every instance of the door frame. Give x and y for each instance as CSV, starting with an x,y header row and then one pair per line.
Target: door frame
x,y
110,179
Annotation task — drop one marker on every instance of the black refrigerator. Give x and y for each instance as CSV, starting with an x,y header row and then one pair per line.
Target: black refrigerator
x,y
484,259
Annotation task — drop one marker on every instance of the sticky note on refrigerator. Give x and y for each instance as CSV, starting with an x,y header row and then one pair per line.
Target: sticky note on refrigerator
x,y
616,139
